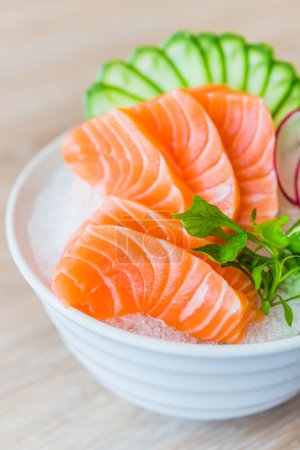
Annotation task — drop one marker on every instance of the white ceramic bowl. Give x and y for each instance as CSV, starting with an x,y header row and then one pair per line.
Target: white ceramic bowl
x,y
183,380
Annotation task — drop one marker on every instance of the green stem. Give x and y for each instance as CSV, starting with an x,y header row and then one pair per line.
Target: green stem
x,y
290,299
258,241
292,228
276,276
289,257
291,272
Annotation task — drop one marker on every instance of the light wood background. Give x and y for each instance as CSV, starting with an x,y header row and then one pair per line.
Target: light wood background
x,y
49,52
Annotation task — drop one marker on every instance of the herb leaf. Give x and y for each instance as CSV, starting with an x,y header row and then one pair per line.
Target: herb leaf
x,y
288,313
266,307
270,272
203,219
272,233
294,244
257,275
222,253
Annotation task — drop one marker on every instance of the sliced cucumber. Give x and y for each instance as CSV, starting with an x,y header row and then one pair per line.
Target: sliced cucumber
x,y
155,65
291,103
126,77
279,84
101,98
234,50
259,66
188,60
214,56
182,48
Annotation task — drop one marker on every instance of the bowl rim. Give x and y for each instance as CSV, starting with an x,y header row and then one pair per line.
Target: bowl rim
x,y
101,328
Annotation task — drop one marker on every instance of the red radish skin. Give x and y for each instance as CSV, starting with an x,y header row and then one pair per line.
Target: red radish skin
x,y
297,182
295,199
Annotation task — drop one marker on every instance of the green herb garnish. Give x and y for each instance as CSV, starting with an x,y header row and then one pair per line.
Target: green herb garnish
x,y
274,258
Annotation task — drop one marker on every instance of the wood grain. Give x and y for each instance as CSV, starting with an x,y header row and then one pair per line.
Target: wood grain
x,y
50,52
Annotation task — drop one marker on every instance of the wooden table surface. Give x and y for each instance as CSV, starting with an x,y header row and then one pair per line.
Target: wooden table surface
x,y
50,51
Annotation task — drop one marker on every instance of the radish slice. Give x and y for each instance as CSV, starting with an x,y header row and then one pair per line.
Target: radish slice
x,y
287,157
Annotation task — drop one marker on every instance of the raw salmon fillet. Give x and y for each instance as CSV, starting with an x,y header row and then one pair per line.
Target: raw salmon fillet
x,y
186,131
109,271
239,281
133,215
113,152
150,159
109,149
211,141
247,131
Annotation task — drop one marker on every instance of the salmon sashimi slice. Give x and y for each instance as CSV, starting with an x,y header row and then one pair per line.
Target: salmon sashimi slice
x,y
110,271
239,281
183,127
111,151
133,215
247,131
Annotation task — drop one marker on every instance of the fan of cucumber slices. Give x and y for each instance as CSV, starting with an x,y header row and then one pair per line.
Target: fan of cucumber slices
x,y
188,60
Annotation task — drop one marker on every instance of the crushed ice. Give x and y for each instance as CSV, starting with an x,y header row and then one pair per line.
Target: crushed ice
x,y
62,206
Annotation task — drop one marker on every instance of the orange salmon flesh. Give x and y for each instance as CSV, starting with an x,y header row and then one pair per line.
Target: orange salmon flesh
x,y
149,160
